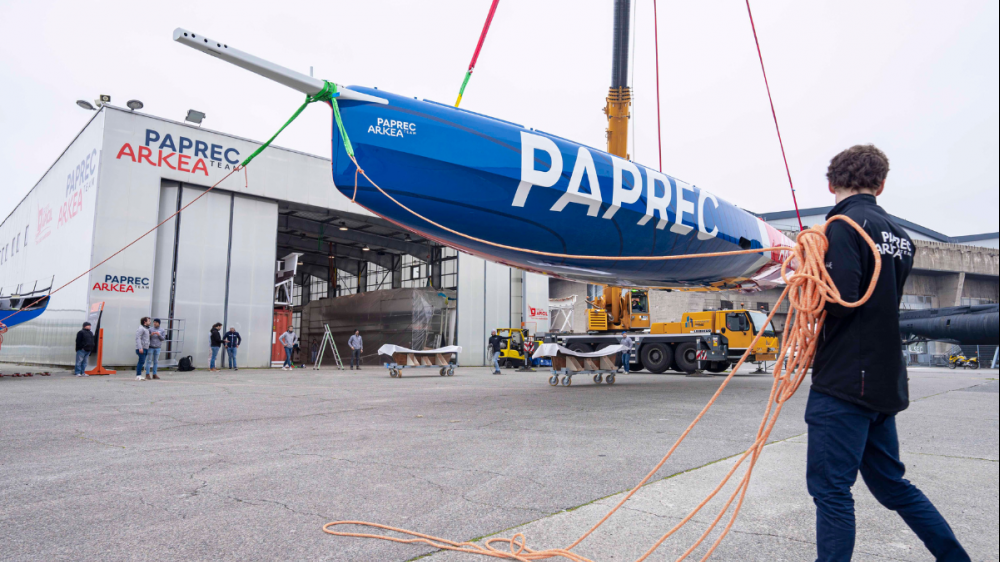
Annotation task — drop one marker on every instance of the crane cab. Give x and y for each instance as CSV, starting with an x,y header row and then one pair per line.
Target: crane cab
x,y
619,310
739,326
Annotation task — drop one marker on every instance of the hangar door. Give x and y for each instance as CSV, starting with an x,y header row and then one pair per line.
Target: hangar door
x,y
215,263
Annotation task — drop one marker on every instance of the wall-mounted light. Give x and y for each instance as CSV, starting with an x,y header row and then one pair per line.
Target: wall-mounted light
x,y
195,117
135,105
86,105
343,226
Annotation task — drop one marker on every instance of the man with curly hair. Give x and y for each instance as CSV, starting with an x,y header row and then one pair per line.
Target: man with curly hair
x,y
859,377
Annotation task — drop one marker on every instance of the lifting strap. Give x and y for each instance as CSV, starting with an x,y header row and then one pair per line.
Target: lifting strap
x,y
479,49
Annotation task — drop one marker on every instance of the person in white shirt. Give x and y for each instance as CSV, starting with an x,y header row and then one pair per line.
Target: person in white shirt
x,y
627,345
288,340
357,346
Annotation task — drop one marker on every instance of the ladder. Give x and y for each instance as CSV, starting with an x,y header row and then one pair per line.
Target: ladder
x,y
328,338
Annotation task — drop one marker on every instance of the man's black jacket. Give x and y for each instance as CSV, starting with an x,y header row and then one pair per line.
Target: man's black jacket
x,y
860,358
496,342
85,341
216,338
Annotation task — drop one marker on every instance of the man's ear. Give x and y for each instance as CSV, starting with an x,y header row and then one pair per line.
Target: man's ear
x,y
832,190
878,193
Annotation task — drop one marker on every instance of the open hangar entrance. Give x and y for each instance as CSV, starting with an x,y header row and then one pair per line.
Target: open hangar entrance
x,y
361,272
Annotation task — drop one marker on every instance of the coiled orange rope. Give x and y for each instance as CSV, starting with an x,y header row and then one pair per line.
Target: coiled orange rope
x,y
808,291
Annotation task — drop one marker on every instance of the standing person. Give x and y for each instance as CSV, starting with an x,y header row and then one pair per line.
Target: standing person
x,y
627,346
859,382
157,336
84,347
314,350
141,346
233,341
215,338
288,340
357,346
495,343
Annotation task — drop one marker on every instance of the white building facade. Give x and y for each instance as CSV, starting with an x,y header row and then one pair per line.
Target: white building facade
x,y
125,174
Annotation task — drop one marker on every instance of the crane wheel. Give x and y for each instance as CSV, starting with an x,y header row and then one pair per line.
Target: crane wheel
x,y
657,357
687,357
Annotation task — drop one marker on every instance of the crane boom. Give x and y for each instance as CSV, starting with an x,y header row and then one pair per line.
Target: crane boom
x,y
619,100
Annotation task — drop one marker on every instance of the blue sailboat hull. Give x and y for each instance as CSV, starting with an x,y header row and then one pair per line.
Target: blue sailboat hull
x,y
497,181
12,318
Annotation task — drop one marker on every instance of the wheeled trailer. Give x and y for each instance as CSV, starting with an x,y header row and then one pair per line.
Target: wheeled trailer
x,y
396,370
400,359
658,353
567,363
565,377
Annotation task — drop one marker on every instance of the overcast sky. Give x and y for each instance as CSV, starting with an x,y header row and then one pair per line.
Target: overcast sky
x,y
917,77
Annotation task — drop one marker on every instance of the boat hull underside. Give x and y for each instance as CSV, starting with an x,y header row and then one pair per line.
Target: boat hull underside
x,y
466,172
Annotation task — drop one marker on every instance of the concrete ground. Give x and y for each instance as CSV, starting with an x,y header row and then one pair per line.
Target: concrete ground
x,y
250,465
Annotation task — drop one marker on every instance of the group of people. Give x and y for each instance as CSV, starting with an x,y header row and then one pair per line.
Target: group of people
x,y
149,338
150,335
231,341
290,341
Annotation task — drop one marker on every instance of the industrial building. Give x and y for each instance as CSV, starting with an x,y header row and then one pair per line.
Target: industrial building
x,y
222,258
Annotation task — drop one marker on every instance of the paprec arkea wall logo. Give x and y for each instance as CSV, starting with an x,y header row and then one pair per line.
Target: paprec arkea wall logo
x,y
122,284
181,154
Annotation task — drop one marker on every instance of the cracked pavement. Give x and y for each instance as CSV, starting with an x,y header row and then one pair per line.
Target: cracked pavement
x,y
250,465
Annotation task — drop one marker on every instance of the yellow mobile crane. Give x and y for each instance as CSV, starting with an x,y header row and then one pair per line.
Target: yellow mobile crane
x,y
659,347
619,309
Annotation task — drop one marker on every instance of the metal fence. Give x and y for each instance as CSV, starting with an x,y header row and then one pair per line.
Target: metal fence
x,y
173,345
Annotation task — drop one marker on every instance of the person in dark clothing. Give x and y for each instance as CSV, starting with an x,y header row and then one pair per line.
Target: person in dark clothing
x,y
859,376
141,346
216,343
85,345
496,346
233,341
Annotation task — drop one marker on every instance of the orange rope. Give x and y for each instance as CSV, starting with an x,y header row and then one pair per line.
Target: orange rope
x,y
809,290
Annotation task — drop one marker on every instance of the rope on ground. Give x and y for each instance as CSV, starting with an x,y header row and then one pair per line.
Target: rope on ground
x,y
809,290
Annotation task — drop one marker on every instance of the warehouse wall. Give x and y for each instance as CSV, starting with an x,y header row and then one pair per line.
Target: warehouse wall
x,y
47,239
141,153
493,296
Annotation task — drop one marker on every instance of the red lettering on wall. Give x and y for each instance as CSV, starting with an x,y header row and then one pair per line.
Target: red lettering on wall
x,y
144,154
200,165
71,208
126,151
166,160
182,164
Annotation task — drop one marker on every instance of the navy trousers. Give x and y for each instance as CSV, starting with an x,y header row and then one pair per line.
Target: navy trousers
x,y
844,440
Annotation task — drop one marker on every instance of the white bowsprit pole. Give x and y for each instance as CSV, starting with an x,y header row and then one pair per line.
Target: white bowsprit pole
x,y
285,76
